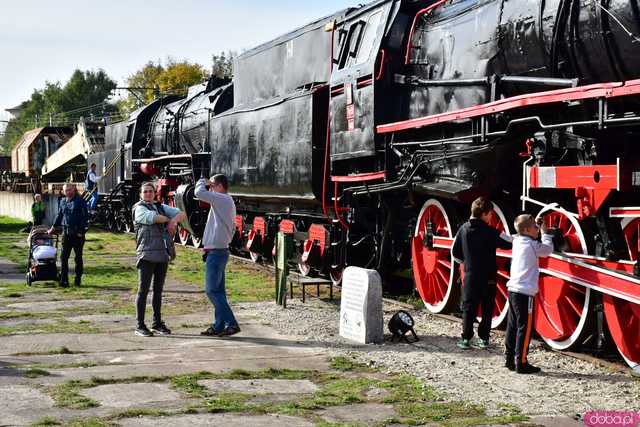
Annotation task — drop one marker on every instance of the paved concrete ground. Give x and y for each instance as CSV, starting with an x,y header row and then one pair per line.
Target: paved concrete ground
x,y
10,273
105,375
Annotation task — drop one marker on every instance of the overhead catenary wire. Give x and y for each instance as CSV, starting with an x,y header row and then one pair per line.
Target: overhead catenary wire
x,y
617,20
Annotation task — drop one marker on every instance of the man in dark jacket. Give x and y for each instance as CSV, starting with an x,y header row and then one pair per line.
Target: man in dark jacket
x,y
73,218
475,246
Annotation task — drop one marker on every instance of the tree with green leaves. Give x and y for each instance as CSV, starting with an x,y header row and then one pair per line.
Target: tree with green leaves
x,y
222,64
83,95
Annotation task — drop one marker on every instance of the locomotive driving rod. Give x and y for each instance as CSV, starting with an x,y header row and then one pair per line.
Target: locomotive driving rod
x,y
609,277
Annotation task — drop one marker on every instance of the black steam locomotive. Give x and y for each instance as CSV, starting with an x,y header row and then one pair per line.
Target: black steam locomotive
x,y
366,133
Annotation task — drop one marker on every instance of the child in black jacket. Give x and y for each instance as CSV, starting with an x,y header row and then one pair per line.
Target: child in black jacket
x,y
475,246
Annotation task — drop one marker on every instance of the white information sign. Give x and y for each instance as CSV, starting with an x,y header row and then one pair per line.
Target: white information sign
x,y
361,306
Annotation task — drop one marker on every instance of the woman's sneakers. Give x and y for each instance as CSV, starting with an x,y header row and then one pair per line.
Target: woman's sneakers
x,y
161,329
143,331
158,328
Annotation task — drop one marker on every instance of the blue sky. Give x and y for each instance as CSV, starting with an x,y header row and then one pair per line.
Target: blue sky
x,y
45,40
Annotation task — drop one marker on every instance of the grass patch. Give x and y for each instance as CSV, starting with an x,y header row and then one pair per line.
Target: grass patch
x,y
270,373
335,392
23,289
227,402
327,424
141,412
90,422
85,364
341,363
423,413
414,402
58,350
19,315
61,325
13,244
485,420
243,283
110,265
13,295
36,372
67,395
46,421
408,389
189,385
509,409
105,266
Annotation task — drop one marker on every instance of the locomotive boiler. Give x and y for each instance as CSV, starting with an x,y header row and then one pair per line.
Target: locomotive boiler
x,y
365,134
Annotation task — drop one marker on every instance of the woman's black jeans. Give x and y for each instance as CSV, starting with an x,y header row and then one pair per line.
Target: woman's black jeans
x,y
148,271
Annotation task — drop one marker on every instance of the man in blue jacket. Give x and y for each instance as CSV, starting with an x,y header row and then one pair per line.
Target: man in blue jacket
x,y
73,218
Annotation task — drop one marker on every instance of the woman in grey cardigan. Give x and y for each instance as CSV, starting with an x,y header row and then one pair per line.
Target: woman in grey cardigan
x,y
155,224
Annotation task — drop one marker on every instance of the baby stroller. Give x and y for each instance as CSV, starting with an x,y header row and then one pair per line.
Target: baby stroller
x,y
41,261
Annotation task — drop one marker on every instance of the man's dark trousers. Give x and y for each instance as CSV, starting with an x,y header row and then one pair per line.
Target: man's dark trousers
x,y
76,242
477,294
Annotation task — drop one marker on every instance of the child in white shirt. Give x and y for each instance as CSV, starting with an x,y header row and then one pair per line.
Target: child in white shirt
x,y
523,287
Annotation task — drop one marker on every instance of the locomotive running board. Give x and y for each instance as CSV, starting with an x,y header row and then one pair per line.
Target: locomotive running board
x,y
594,91
624,212
584,270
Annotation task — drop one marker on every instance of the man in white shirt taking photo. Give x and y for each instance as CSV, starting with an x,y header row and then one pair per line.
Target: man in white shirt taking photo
x,y
218,233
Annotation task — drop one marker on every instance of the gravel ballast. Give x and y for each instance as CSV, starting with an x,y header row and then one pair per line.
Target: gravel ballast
x,y
566,386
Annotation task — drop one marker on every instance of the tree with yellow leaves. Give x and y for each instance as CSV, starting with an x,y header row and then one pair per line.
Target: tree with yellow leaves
x,y
155,79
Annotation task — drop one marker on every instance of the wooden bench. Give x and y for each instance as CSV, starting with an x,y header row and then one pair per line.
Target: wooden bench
x,y
303,282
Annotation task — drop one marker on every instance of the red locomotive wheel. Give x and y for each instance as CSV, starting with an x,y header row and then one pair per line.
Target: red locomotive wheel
x,y
501,308
335,275
623,317
304,268
433,269
562,308
197,241
255,256
183,235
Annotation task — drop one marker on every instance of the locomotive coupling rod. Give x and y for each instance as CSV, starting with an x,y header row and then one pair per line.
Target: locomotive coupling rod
x,y
161,158
543,81
413,80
